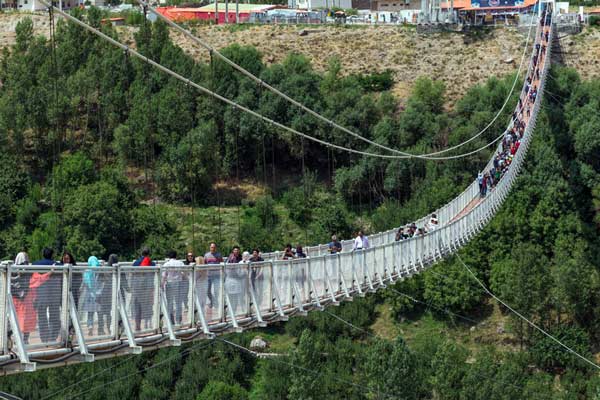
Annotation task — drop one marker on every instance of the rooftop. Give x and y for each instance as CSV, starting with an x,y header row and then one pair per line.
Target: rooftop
x,y
211,8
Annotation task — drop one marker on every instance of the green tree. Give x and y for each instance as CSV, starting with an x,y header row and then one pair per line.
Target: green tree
x,y
448,370
222,391
390,369
523,282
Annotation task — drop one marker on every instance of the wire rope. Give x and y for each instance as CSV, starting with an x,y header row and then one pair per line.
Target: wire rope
x,y
239,106
316,114
196,347
531,323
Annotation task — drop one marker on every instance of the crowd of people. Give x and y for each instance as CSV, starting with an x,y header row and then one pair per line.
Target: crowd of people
x,y
411,230
511,142
37,296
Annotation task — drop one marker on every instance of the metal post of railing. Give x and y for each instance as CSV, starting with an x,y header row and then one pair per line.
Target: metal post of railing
x,y
64,320
157,299
114,322
221,284
4,293
25,364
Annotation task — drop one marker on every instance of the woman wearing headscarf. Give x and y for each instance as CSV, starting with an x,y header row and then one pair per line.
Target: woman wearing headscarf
x,y
23,294
91,294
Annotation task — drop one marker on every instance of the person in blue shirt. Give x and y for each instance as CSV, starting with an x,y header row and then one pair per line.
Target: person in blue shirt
x,y
49,300
334,245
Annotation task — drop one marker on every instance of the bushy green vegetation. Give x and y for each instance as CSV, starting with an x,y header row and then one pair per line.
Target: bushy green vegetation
x,y
120,156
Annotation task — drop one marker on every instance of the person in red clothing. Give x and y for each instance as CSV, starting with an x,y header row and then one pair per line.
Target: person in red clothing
x,y
142,292
24,292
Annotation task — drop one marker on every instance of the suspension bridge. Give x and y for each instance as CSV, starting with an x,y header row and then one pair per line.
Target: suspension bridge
x,y
133,308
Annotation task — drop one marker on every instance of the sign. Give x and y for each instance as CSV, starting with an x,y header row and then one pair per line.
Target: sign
x,y
496,3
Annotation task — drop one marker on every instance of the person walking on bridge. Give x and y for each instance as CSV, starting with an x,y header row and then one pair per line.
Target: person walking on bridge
x,y
49,300
172,283
142,291
361,242
23,288
92,293
214,276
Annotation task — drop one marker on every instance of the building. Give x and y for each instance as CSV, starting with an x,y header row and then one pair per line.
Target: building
x,y
35,5
489,11
118,21
208,13
23,5
325,4
395,5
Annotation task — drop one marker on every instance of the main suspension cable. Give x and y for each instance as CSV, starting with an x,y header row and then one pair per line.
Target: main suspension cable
x,y
328,121
233,103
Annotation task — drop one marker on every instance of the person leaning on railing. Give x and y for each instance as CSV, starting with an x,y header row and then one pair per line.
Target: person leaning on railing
x,y
334,246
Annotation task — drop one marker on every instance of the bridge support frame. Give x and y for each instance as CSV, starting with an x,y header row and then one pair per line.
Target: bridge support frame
x,y
201,316
330,289
83,350
167,318
231,312
133,347
259,317
299,306
24,364
345,288
277,299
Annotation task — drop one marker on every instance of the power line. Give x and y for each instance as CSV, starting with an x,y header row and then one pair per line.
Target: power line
x,y
570,350
312,371
167,360
382,338
432,306
79,382
316,114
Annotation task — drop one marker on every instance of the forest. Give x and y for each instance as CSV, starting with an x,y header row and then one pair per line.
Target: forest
x,y
100,154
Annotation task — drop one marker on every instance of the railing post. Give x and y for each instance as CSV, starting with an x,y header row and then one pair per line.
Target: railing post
x,y
85,354
64,325
116,284
4,293
26,365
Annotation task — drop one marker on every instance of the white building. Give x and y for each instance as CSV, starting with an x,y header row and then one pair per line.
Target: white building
x,y
35,5
313,4
23,5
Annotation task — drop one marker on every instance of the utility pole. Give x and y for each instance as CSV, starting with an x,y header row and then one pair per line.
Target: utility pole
x,y
216,12
237,11
226,11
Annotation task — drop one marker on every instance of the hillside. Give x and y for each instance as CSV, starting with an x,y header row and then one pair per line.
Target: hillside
x,y
454,59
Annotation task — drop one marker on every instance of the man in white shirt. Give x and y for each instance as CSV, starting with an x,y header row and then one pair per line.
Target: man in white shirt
x,y
172,283
432,224
361,242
